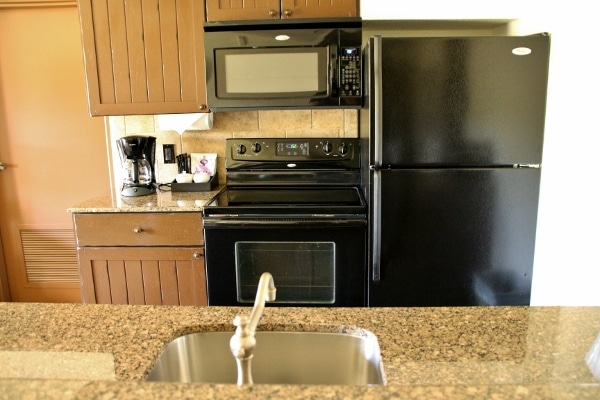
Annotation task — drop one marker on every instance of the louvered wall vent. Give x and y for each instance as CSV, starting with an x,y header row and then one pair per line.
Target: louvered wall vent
x,y
50,255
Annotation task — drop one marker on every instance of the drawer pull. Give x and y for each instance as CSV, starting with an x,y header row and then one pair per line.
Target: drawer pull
x,y
137,229
197,256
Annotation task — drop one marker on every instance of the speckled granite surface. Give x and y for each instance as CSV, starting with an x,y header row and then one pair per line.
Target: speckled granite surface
x,y
487,352
161,201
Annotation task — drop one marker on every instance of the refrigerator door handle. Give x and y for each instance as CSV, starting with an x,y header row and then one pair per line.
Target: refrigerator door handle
x,y
377,101
536,166
376,239
377,156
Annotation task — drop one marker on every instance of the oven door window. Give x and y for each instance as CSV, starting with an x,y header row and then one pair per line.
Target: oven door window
x,y
272,72
304,272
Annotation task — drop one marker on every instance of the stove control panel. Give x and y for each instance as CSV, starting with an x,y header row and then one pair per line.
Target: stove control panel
x,y
343,151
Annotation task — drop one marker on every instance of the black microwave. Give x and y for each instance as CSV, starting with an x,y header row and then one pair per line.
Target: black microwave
x,y
284,64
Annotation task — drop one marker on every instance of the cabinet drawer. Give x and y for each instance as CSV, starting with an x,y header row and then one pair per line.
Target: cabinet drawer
x,y
138,229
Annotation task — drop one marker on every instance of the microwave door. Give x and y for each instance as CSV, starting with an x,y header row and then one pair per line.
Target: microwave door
x,y
275,73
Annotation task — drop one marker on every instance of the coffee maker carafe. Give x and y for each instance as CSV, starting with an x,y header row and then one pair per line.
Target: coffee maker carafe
x,y
137,157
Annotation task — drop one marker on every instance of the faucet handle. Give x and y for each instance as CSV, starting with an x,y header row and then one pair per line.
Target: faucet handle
x,y
242,342
242,323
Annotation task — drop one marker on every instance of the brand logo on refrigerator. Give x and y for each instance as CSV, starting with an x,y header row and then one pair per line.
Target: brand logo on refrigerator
x,y
521,51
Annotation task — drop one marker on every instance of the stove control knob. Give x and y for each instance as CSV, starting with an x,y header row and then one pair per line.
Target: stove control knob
x,y
327,147
241,149
256,147
343,149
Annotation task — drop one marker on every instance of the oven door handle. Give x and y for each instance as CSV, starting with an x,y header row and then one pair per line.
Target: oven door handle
x,y
241,222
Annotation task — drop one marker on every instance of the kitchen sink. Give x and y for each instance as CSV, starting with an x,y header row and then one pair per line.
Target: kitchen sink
x,y
280,357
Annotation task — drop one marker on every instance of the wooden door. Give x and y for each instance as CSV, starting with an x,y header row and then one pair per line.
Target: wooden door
x,y
318,9
143,275
53,152
144,56
237,10
4,291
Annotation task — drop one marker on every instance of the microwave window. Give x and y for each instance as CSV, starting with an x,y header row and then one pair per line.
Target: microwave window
x,y
272,72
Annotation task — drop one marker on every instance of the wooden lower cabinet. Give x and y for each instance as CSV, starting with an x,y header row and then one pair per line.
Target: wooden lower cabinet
x,y
141,258
156,276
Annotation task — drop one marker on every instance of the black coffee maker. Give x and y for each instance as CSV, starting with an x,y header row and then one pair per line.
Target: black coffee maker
x,y
137,158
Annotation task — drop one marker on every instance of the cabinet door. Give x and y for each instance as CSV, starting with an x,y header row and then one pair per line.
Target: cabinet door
x,y
318,9
219,10
234,10
143,275
143,56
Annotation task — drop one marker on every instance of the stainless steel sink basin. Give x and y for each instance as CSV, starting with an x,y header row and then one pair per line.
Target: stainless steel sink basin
x,y
279,358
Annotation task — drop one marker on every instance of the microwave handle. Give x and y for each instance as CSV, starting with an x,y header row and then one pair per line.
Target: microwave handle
x,y
334,71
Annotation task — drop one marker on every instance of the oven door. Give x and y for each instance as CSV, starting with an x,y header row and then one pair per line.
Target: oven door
x,y
314,261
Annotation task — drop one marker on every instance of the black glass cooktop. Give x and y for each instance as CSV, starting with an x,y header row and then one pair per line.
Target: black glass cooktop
x,y
266,199
292,196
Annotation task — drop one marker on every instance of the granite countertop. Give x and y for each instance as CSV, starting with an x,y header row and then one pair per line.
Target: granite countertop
x,y
161,201
465,352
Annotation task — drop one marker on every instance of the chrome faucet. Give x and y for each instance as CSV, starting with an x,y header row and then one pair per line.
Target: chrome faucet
x,y
242,343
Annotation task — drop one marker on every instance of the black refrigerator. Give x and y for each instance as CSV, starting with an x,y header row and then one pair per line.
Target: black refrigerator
x,y
451,134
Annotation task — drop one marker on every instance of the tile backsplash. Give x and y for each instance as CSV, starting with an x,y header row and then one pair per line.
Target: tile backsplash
x,y
267,123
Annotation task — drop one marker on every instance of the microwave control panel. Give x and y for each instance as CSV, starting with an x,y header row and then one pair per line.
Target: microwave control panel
x,y
350,72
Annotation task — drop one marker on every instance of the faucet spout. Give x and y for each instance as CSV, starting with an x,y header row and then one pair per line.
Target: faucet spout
x,y
266,292
242,343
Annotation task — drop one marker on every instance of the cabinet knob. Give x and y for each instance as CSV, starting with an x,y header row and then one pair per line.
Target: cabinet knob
x,y
197,256
273,13
287,13
202,107
137,229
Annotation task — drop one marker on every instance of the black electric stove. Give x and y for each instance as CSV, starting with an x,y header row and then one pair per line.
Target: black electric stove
x,y
294,208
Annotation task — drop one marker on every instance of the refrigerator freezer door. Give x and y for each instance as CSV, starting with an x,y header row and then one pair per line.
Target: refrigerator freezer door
x,y
455,237
460,101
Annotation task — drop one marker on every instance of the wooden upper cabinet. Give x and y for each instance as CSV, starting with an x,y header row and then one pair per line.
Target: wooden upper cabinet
x,y
233,10
319,8
143,56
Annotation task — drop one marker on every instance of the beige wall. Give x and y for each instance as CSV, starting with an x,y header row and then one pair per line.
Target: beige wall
x,y
289,124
